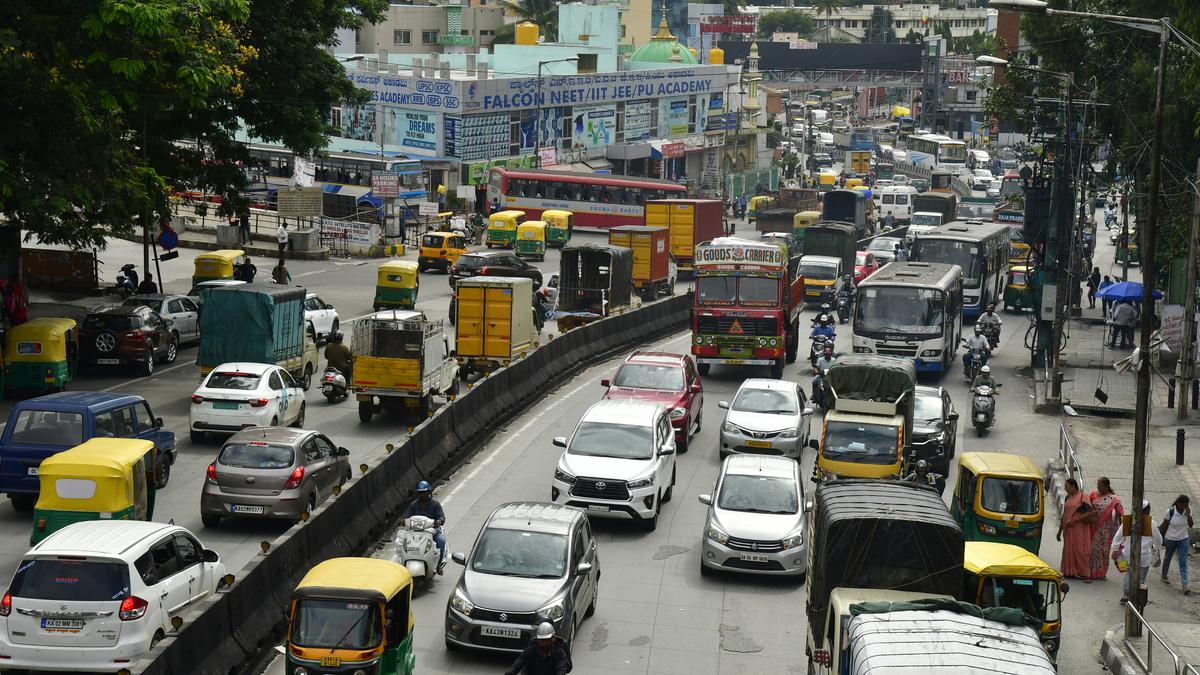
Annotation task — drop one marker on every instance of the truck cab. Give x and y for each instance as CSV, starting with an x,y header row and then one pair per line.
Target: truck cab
x,y
832,655
822,275
868,427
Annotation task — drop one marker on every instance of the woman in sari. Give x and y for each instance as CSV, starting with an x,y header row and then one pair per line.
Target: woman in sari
x,y
1108,505
1074,531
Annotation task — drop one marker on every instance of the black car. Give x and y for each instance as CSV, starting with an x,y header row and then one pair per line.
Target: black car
x,y
495,264
935,427
823,159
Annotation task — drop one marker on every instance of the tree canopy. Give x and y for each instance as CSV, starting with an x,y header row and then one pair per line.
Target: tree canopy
x,y
786,21
99,95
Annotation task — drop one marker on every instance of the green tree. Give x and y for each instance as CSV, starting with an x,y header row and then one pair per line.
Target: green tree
x,y
786,21
880,29
913,37
542,12
827,7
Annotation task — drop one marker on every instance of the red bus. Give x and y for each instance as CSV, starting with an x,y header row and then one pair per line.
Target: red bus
x,y
597,200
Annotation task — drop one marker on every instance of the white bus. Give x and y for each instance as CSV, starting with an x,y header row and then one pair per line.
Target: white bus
x,y
936,151
911,310
980,249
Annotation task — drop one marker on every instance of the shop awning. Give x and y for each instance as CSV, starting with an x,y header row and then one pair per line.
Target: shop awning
x,y
599,165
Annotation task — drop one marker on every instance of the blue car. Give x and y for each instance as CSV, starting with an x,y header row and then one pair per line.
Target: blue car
x,y
45,425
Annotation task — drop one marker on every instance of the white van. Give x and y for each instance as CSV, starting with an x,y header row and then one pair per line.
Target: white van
x,y
896,201
825,138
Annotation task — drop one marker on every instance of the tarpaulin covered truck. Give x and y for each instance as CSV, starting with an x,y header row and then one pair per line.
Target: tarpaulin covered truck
x,y
868,426
256,323
692,222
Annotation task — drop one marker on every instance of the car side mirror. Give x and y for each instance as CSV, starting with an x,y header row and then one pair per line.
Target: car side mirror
x,y
583,568
724,405
953,416
158,421
812,443
341,452
705,499
696,388
560,441
605,383
460,558
666,449
210,556
808,410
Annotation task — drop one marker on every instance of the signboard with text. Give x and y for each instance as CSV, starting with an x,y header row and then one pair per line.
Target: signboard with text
x,y
593,126
672,117
594,88
637,120
300,203
385,183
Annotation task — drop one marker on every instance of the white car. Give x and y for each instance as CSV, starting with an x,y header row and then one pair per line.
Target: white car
x,y
236,396
322,318
993,190
96,595
980,179
194,294
183,312
619,462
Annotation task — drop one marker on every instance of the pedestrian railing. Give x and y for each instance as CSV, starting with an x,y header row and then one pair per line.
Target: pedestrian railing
x,y
1180,667
1066,454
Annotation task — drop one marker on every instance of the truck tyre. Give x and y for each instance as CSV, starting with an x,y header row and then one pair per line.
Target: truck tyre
x,y
306,381
23,502
777,369
704,368
365,411
423,407
792,342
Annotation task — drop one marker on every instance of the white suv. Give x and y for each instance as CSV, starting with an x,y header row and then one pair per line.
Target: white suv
x,y
96,595
619,462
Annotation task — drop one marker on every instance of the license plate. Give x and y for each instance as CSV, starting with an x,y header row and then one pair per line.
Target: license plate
x,y
758,444
331,661
31,471
224,405
753,557
500,632
734,362
239,508
108,362
1012,524
597,508
69,625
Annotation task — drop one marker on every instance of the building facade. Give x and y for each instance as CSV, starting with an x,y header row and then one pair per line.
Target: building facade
x,y
431,29
853,22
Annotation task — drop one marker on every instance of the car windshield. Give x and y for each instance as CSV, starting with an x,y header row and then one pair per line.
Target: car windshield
x,y
48,427
257,456
1016,278
965,254
103,322
1010,495
928,407
71,580
233,380
926,219
770,401
604,439
861,443
883,244
758,494
645,376
341,624
520,553
899,310
1035,597
813,270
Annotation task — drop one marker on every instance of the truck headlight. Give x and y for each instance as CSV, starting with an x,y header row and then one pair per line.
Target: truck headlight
x,y
563,476
641,482
553,612
716,534
460,603
861,350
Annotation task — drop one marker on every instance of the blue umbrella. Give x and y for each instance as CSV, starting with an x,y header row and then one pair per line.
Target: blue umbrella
x,y
1124,290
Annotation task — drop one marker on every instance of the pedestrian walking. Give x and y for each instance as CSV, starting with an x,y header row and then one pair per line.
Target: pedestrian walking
x,y
1110,508
14,302
246,271
1123,544
244,227
1105,304
1093,285
1074,531
280,274
1174,530
281,236
1125,319
900,255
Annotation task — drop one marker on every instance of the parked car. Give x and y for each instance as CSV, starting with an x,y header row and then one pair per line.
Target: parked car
x,y
321,316
236,396
180,310
661,377
935,428
865,265
980,179
756,518
127,336
493,263
532,562
619,462
766,417
884,248
96,595
43,426
272,472
194,293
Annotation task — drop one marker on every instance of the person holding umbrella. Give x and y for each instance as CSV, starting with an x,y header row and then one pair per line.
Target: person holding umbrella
x,y
1125,319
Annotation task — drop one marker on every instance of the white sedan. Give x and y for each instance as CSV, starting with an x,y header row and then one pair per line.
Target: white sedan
x,y
236,396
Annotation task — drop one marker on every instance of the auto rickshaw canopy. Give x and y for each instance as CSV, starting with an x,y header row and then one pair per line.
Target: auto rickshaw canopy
x,y
217,264
993,559
805,218
506,220
557,218
365,578
531,230
1000,464
393,272
40,340
106,463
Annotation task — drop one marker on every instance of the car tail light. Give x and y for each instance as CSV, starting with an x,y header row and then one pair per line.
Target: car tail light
x,y
133,608
212,474
257,402
197,399
293,480
6,605
453,269
136,336
483,271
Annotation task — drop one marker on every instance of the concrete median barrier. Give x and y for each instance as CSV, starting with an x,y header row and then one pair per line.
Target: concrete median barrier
x,y
235,630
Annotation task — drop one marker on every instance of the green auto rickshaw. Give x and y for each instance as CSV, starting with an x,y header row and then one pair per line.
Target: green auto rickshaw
x,y
1000,497
1003,575
1017,296
531,240
502,228
41,355
396,285
559,227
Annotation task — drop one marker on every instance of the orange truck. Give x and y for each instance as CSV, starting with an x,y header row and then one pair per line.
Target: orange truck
x,y
691,222
653,273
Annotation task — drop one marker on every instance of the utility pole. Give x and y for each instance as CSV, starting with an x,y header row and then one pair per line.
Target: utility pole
x,y
1064,199
1125,234
1187,362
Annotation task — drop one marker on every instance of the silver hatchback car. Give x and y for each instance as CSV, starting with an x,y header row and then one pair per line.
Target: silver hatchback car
x,y
532,562
767,417
755,518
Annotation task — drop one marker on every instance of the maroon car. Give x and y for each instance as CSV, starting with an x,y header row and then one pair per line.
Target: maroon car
x,y
127,336
669,379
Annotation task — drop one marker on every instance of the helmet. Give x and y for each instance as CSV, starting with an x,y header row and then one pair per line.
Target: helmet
x,y
824,318
545,631
922,465
848,277
978,329
985,370
424,486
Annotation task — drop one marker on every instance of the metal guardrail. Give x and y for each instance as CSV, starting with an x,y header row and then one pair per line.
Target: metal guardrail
x,y
1066,454
1180,667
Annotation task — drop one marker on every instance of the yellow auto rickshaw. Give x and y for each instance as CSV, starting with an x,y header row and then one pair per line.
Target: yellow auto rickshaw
x,y
502,228
214,265
440,250
758,203
41,355
1000,498
396,285
559,227
100,479
802,220
352,614
1003,575
531,240
852,183
827,180
1016,289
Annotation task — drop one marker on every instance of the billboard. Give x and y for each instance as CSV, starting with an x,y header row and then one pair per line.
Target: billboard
x,y
593,126
594,88
637,120
672,117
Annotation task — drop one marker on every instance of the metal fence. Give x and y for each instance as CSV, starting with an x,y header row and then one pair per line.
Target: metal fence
x,y
1066,454
1179,666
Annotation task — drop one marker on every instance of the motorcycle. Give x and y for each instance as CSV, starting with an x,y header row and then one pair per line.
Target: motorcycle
x,y
416,549
844,307
934,480
825,309
991,331
127,282
975,360
983,408
818,347
333,385
819,390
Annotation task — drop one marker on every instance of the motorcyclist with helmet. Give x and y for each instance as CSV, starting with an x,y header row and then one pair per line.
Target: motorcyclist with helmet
x,y
845,298
546,654
990,322
823,327
923,476
339,356
984,379
426,505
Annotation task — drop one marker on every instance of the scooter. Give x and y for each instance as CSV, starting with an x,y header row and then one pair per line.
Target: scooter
x,y
416,550
983,408
127,281
333,385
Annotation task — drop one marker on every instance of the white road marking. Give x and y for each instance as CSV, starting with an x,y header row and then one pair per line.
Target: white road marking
x,y
129,382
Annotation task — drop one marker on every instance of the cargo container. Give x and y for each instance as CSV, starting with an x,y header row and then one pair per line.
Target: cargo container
x,y
692,222
651,258
494,324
